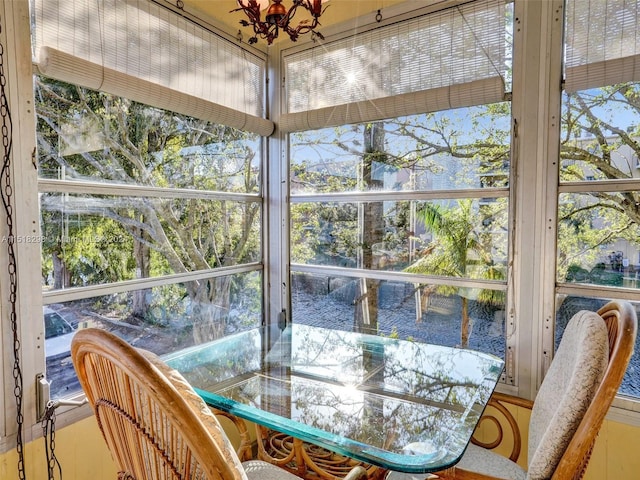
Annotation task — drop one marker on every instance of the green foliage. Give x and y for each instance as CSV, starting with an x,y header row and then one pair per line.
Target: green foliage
x,y
458,249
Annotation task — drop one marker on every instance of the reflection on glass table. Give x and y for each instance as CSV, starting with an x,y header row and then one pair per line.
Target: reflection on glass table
x,y
396,404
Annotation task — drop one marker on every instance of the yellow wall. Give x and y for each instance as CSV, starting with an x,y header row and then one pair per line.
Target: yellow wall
x,y
615,455
83,454
79,448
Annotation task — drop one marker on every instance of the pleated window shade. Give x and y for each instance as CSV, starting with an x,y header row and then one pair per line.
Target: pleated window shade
x,y
452,58
145,52
602,43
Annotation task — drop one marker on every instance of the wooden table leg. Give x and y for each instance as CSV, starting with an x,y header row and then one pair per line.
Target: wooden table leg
x,y
307,460
245,450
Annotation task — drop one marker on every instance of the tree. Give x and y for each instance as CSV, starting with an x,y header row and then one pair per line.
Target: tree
x,y
84,134
458,250
599,142
370,228
465,148
471,148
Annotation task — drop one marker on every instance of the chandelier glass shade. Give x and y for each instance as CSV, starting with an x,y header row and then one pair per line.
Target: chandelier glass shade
x,y
278,18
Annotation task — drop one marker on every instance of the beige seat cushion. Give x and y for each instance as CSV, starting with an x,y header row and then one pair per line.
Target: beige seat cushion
x,y
478,460
567,390
259,470
485,461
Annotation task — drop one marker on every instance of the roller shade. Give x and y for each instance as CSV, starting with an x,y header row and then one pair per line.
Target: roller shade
x,y
437,61
490,90
148,50
67,68
602,43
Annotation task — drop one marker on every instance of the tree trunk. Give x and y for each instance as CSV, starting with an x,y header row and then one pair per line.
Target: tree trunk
x,y
61,274
142,255
423,297
464,327
371,229
210,308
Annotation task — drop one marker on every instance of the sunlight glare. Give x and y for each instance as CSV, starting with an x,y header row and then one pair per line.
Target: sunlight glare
x,y
351,78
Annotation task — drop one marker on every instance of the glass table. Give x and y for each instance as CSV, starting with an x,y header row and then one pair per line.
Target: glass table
x,y
394,404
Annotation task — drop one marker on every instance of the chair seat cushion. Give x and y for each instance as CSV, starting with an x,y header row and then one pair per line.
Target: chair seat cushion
x,y
485,461
478,460
259,470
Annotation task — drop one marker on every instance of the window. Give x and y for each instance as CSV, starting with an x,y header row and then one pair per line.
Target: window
x,y
399,222
150,216
413,214
381,154
150,210
599,193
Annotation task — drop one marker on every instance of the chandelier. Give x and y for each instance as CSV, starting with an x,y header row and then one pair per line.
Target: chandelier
x,y
278,18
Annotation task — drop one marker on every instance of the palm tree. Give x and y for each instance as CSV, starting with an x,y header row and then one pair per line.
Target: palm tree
x,y
459,249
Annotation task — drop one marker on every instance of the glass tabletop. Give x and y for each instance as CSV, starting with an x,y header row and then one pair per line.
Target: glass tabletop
x,y
397,404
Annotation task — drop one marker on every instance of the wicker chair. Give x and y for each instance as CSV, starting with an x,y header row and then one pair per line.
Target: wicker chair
x,y
569,409
154,423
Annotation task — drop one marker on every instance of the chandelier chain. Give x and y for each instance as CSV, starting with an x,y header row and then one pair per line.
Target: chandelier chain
x,y
49,434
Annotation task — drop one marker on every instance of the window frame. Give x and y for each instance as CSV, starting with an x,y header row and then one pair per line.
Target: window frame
x,y
603,67
75,186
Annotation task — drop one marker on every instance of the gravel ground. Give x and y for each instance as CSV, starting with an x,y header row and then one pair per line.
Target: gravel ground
x,y
396,316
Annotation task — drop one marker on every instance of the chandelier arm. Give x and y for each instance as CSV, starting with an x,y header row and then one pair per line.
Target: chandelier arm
x,y
302,28
284,21
252,17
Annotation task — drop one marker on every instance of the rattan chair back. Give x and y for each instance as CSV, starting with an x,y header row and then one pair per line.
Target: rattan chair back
x,y
150,426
